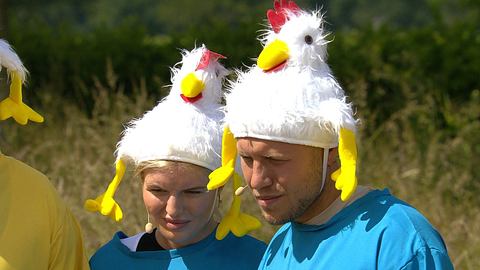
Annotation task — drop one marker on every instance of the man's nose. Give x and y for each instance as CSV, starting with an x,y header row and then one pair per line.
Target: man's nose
x,y
259,177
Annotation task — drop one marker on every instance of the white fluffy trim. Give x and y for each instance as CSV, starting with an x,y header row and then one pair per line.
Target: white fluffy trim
x,y
294,106
174,131
212,76
10,60
301,54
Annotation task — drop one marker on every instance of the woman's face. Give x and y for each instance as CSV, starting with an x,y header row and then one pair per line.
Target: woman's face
x,y
177,199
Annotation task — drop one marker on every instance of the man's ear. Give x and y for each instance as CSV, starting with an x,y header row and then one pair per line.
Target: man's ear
x,y
333,157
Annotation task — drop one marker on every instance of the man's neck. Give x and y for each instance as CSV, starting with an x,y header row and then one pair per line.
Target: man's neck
x,y
336,206
328,195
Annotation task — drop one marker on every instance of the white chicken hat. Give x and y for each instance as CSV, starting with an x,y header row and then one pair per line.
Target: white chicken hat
x,y
185,126
13,105
291,96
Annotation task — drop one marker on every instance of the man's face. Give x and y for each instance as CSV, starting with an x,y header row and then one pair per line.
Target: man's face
x,y
285,178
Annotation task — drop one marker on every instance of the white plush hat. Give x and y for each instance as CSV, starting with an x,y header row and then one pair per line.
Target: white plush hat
x,y
13,105
10,60
185,126
177,129
291,96
288,106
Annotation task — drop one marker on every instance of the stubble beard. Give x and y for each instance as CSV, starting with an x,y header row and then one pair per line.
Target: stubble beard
x,y
297,210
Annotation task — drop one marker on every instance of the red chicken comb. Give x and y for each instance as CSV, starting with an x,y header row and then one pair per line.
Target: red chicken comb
x,y
207,57
279,15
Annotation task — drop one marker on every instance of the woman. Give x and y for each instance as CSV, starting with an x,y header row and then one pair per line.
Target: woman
x,y
174,148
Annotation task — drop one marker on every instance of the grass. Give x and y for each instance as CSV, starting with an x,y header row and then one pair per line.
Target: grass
x,y
432,168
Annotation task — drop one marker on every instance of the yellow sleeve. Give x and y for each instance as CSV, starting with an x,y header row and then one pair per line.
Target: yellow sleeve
x,y
37,230
67,250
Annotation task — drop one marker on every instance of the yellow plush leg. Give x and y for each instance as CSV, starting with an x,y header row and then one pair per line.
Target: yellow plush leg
x,y
345,177
105,204
238,223
220,176
13,105
235,221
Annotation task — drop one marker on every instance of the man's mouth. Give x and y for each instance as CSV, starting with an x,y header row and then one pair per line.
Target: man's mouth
x,y
267,201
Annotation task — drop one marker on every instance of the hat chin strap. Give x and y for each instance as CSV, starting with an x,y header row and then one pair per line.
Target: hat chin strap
x,y
324,166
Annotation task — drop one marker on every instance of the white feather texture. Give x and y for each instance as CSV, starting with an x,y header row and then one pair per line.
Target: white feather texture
x,y
177,130
299,104
292,105
212,76
306,56
10,60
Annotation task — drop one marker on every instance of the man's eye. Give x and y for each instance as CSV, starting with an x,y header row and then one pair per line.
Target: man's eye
x,y
196,191
277,160
246,159
156,190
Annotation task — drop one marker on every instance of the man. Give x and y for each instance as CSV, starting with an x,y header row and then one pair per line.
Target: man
x,y
295,135
37,230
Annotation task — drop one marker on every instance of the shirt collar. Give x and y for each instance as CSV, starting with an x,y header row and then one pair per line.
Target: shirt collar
x,y
336,206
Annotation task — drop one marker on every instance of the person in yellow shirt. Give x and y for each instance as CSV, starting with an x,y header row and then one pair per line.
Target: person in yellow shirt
x,y
37,229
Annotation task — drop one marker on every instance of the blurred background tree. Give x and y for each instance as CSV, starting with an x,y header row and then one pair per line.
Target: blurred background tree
x,y
69,42
3,18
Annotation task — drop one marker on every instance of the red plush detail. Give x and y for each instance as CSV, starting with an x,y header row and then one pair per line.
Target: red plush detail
x,y
208,57
276,68
191,100
278,16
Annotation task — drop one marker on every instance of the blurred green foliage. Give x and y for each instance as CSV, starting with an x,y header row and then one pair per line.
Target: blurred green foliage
x,y
69,44
443,65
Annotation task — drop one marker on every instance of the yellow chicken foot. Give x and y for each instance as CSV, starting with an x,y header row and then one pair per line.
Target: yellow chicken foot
x,y
105,204
238,223
13,105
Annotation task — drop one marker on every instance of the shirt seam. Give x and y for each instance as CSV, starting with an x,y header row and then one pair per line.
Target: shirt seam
x,y
417,252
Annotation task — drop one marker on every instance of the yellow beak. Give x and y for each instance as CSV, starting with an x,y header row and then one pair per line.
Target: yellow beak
x,y
273,55
191,86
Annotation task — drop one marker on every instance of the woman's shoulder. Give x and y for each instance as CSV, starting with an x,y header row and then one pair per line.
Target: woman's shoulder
x,y
236,252
110,250
247,244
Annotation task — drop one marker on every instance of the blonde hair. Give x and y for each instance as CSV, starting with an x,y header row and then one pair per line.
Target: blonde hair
x,y
162,165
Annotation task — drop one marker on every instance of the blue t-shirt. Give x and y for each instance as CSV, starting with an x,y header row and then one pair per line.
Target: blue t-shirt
x,y
377,231
231,252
